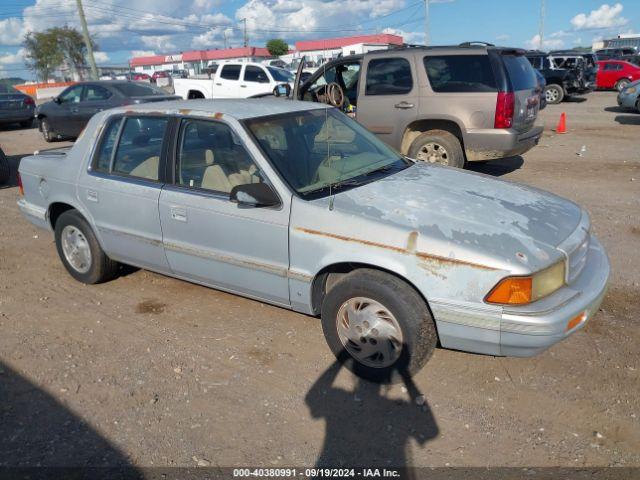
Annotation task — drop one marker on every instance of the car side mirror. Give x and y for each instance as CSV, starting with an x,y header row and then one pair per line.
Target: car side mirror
x,y
57,100
252,195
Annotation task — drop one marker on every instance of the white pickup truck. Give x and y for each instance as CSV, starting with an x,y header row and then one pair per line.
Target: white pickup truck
x,y
234,80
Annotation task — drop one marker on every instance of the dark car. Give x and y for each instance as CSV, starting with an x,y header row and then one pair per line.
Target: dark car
x,y
542,83
68,113
561,82
15,107
615,53
5,171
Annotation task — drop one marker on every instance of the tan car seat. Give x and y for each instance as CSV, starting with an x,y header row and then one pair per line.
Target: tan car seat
x,y
147,169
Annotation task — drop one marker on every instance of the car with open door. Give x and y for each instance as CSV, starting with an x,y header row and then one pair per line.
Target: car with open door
x,y
447,105
297,205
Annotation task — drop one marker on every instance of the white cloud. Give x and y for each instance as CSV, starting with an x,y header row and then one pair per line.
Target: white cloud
x,y
503,37
11,31
551,42
101,57
606,16
142,53
12,58
161,43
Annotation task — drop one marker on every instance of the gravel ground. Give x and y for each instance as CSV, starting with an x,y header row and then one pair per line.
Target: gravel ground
x,y
152,371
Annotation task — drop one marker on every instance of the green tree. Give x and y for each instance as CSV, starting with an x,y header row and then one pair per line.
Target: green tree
x,y
277,47
56,47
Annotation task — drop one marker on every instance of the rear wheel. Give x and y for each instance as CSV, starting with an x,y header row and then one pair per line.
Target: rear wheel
x,y
554,94
437,146
80,251
378,326
5,170
45,128
622,84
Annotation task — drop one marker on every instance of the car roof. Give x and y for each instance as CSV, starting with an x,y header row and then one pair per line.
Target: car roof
x,y
238,108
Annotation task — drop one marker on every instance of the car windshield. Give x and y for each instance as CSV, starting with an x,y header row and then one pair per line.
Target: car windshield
x,y
281,75
134,89
320,151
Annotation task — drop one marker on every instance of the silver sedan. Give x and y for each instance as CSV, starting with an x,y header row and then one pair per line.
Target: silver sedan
x,y
295,204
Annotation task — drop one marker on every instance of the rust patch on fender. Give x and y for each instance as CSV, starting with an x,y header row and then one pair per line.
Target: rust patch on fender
x,y
184,111
411,242
218,115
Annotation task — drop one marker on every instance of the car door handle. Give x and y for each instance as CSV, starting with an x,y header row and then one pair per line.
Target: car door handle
x,y
74,110
218,84
243,86
179,214
92,195
404,104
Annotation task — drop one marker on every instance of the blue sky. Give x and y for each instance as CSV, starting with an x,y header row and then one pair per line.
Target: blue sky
x,y
123,28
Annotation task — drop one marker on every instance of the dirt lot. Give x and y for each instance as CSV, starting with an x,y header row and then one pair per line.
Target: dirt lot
x,y
150,370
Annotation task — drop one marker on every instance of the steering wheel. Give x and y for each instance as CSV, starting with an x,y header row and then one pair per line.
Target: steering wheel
x,y
335,95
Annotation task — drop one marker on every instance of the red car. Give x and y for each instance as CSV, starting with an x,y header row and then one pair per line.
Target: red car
x,y
158,74
616,74
141,77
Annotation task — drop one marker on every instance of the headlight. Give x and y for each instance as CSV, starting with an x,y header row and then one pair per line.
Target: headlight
x,y
521,290
629,90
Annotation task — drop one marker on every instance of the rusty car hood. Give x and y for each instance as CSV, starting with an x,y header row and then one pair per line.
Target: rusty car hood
x,y
456,214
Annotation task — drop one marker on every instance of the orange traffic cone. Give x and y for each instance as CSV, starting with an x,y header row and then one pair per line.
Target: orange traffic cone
x,y
562,124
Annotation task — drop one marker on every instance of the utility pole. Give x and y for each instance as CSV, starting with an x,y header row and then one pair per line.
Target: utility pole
x,y
87,41
224,32
541,33
246,39
426,22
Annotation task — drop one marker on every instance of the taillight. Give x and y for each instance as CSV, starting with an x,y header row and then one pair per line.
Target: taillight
x,y
29,101
20,187
505,107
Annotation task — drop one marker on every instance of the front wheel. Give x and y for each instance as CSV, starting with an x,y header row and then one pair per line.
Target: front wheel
x,y
622,84
554,94
45,128
80,251
5,170
378,326
437,146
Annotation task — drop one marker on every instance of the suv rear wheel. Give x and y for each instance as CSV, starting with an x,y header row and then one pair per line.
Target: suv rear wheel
x,y
554,94
437,146
80,251
378,326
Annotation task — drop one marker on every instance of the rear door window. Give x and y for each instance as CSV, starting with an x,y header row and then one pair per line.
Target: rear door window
x,y
140,147
460,73
520,72
388,76
230,72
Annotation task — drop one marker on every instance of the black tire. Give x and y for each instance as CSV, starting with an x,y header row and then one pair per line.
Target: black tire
x,y
403,302
102,268
554,94
622,84
27,123
638,105
45,128
5,168
452,155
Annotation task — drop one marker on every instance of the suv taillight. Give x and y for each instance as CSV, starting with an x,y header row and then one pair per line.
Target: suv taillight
x,y
20,187
29,101
505,107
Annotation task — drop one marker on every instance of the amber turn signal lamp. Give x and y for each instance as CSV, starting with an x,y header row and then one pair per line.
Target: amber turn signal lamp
x,y
575,321
20,187
511,291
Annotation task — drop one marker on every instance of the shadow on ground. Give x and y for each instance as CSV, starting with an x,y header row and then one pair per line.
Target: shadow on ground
x,y
366,428
628,119
36,430
14,162
497,168
575,99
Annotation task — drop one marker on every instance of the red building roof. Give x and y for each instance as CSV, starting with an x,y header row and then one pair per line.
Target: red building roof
x,y
197,55
330,43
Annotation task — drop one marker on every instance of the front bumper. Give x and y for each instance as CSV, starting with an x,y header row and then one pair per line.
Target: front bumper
x,y
526,331
491,144
627,101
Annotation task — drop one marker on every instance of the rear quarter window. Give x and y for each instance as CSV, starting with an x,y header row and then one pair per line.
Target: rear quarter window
x,y
520,72
460,73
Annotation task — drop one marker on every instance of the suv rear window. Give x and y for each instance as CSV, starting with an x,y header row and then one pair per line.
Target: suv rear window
x,y
388,76
520,72
460,73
